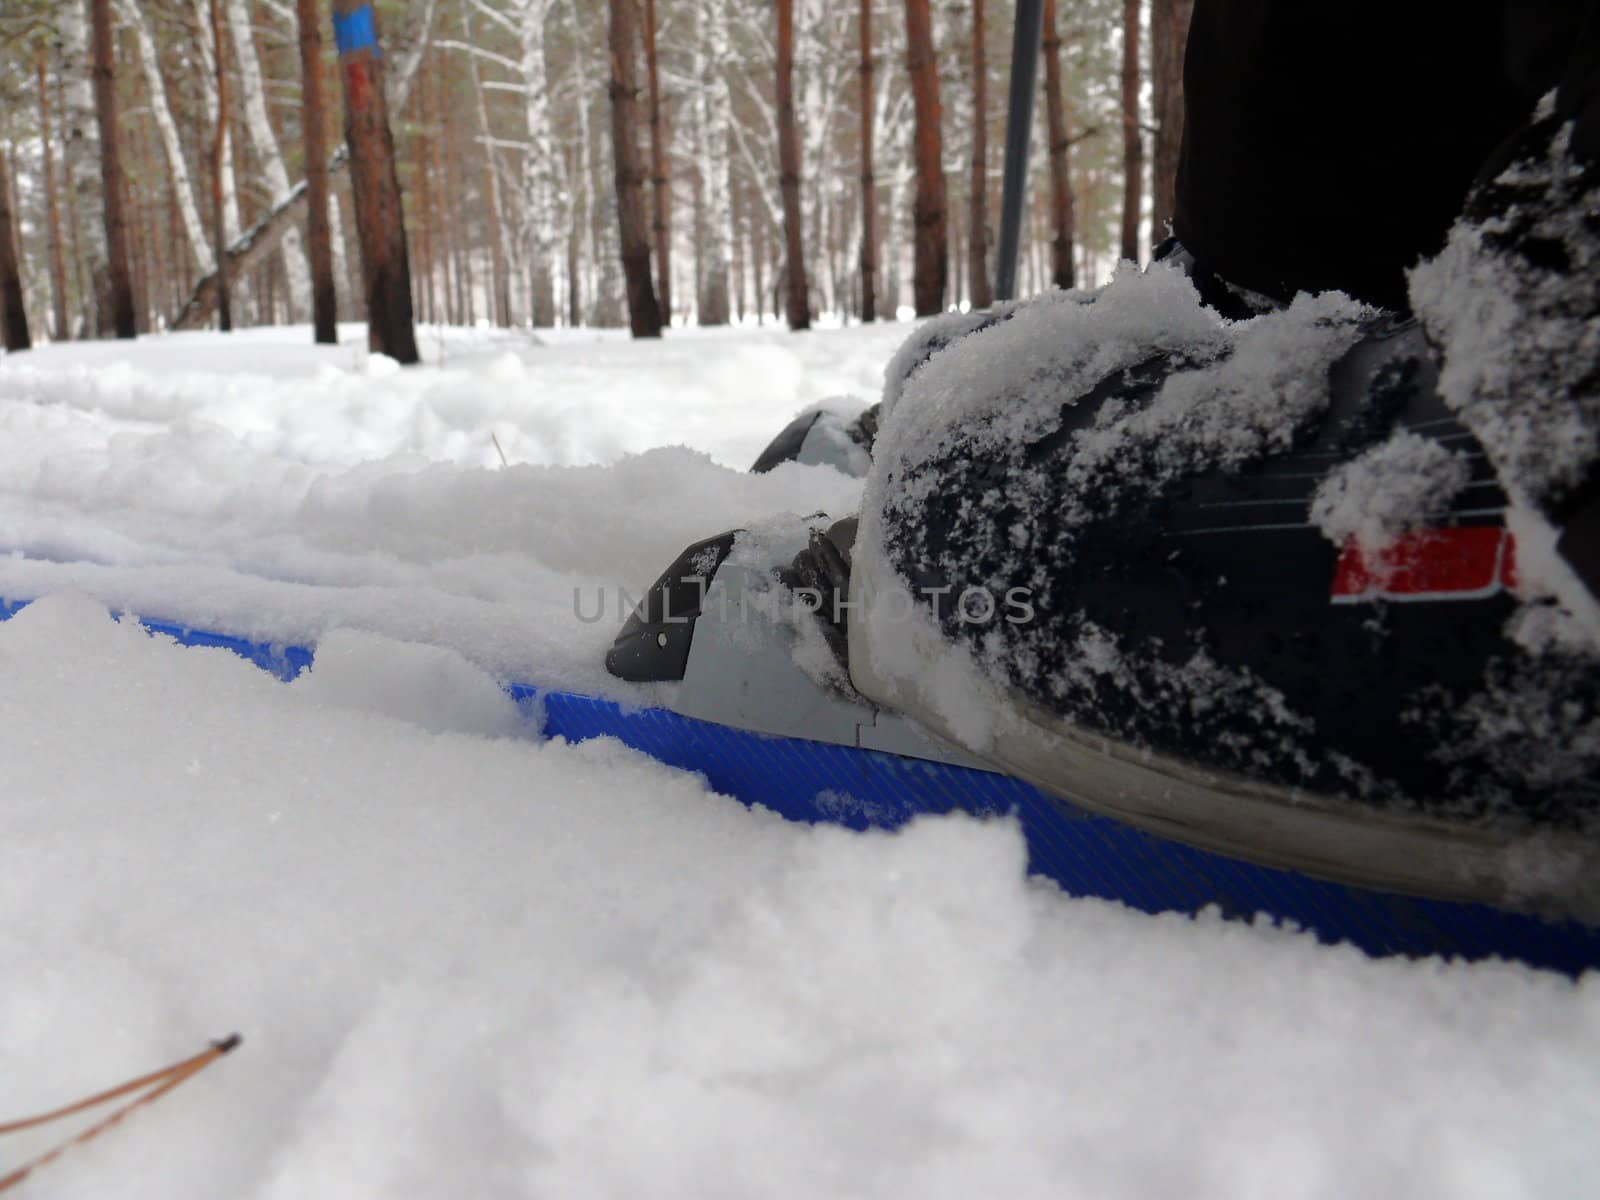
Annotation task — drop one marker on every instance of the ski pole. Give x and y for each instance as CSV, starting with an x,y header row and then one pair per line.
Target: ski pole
x,y
1019,132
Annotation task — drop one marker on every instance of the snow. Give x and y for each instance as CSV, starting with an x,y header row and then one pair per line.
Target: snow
x,y
469,962
1511,299
555,398
432,687
488,966
1522,335
262,489
1395,487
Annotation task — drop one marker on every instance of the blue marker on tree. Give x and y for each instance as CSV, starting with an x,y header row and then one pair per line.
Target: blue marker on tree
x,y
355,30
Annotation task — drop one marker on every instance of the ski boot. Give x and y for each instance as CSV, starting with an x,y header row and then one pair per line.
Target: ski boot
x,y
1313,589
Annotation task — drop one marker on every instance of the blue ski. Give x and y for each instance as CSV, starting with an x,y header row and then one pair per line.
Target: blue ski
x,y
1085,854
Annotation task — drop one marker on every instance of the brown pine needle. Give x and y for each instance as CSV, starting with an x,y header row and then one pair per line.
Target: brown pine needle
x,y
159,1082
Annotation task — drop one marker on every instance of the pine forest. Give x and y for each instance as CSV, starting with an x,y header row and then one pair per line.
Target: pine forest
x,y
183,164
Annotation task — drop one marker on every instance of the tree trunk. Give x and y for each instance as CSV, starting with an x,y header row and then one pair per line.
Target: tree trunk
x,y
138,247
58,265
582,215
1132,135
13,316
575,270
798,298
981,282
279,219
81,168
450,181
465,284
499,271
701,126
266,310
161,112
957,261
177,261
422,158
644,314
1037,267
171,259
499,276
660,171
740,268
1169,34
758,261
541,189
445,226
893,237
715,172
1063,204
215,69
119,282
219,176
313,120
264,142
380,220
931,261
869,185
822,245
346,276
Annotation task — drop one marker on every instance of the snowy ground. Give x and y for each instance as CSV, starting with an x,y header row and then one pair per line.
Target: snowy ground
x,y
275,489
469,963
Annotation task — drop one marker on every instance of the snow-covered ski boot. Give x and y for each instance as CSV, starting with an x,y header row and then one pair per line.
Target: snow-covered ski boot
x,y
1303,590
1258,589
1311,589
1254,587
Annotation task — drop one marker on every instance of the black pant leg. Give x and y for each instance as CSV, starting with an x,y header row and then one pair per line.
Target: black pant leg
x,y
1330,145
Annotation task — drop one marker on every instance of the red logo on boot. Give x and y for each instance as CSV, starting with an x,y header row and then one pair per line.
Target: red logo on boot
x,y
1466,563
